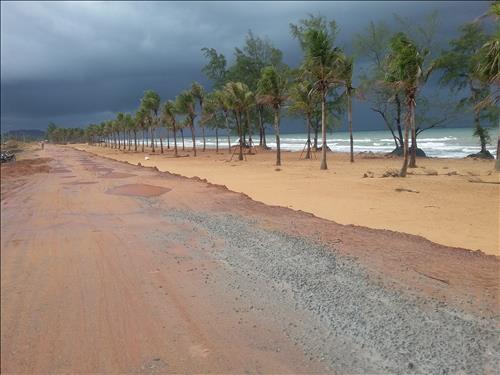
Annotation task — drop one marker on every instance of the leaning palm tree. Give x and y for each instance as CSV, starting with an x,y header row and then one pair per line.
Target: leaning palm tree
x,y
185,104
272,90
199,94
320,64
151,103
129,127
345,66
488,71
142,121
221,97
238,98
404,72
304,101
169,113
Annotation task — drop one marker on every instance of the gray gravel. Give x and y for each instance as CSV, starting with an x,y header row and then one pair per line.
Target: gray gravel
x,y
348,320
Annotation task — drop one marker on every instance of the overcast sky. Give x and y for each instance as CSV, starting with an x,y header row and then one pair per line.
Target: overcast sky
x,y
80,62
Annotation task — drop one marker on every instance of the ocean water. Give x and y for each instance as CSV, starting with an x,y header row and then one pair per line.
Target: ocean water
x,y
440,143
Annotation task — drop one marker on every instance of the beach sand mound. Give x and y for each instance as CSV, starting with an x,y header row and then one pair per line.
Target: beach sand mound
x,y
139,190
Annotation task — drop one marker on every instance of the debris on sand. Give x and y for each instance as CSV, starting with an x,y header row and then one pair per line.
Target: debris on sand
x,y
406,190
391,173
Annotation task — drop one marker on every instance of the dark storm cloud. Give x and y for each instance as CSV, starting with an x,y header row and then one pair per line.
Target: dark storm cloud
x,y
81,62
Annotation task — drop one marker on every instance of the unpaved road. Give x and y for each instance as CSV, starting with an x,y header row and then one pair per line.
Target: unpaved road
x,y
112,268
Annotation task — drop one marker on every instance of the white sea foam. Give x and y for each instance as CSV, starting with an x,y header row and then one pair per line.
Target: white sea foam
x,y
442,143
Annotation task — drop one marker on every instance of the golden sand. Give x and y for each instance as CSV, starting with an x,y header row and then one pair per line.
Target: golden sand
x,y
457,207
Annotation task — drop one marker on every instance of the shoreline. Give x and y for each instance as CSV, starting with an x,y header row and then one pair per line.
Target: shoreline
x,y
428,198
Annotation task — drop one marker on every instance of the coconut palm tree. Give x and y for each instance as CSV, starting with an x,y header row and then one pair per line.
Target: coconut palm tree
x,y
141,118
272,90
238,99
169,113
487,70
221,98
404,72
320,65
199,94
304,101
345,66
186,105
151,103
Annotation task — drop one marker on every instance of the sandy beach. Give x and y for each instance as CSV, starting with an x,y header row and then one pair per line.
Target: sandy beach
x,y
108,267
454,202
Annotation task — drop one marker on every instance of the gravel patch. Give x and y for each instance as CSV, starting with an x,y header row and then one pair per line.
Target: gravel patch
x,y
350,320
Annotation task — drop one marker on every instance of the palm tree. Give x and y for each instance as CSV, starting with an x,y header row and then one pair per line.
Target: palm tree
x,y
304,101
169,113
320,64
345,70
199,94
142,121
404,72
221,98
185,105
487,70
238,98
151,103
129,127
272,90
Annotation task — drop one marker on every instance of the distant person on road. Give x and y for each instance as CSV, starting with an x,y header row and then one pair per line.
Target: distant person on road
x,y
42,143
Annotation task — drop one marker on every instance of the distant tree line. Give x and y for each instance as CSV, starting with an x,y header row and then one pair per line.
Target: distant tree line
x,y
259,88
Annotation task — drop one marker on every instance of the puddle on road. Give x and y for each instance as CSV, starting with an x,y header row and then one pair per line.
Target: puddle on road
x,y
138,190
117,175
80,183
61,170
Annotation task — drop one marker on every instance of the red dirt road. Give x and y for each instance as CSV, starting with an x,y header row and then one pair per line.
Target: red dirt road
x,y
90,283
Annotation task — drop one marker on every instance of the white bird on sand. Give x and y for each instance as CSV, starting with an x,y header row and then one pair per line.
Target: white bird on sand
x,y
146,157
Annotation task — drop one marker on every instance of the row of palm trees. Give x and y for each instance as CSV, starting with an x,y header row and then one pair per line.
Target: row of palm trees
x,y
307,90
303,90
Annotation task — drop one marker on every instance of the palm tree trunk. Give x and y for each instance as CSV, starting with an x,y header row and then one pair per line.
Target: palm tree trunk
x,y
316,131
216,139
249,127
161,144
143,138
175,139
277,133
349,120
240,134
153,139
191,127
398,121
135,140
182,135
168,139
404,168
413,156
259,117
323,165
203,135
308,153
228,133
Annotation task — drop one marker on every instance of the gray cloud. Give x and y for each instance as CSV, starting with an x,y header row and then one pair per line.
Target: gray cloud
x,y
78,62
